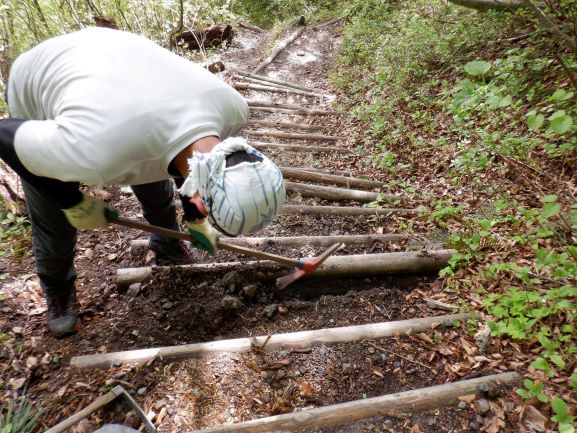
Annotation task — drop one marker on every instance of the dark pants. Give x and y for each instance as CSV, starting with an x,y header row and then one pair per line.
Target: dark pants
x,y
54,239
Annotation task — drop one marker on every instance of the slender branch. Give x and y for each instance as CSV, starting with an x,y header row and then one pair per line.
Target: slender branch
x,y
382,349
569,73
548,24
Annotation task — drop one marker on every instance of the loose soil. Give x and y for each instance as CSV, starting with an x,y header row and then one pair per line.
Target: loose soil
x,y
172,307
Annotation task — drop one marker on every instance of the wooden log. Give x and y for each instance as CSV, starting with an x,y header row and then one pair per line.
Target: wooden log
x,y
290,173
294,112
293,340
97,404
484,5
294,136
337,194
285,125
268,84
301,241
279,49
284,90
274,81
416,400
250,27
345,210
334,267
209,37
347,173
324,24
300,147
291,209
11,193
277,105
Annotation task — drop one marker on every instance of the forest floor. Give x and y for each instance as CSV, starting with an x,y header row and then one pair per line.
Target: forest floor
x,y
173,307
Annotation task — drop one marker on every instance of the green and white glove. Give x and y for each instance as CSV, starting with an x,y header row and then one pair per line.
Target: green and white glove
x,y
205,235
90,213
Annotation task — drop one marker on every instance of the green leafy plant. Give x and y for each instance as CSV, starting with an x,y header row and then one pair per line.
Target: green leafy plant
x,y
14,235
565,422
532,389
478,68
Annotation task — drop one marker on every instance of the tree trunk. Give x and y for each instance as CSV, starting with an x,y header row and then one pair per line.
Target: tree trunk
x,y
279,49
250,27
209,37
483,5
293,340
11,193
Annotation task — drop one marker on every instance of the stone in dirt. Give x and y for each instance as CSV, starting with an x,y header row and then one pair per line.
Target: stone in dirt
x,y
231,303
133,290
270,310
250,290
482,406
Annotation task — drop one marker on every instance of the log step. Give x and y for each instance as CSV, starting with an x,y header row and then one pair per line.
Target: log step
x,y
285,125
271,80
337,210
310,176
409,262
301,241
416,400
345,210
274,89
337,194
269,343
294,136
300,148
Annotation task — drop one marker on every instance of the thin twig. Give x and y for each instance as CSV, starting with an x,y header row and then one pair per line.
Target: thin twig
x,y
382,349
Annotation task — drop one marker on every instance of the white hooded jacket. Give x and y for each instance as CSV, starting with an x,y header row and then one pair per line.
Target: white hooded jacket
x,y
110,107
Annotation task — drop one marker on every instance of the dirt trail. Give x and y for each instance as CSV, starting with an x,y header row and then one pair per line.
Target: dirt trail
x,y
174,308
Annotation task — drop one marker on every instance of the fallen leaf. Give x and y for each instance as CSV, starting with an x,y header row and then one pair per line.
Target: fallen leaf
x,y
491,425
46,359
306,390
534,420
469,398
31,362
444,350
278,364
425,338
16,383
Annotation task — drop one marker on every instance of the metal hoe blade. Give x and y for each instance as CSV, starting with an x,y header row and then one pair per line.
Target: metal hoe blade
x,y
306,266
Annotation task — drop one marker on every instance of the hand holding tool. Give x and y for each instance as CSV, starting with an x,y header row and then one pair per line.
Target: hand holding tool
x,y
303,266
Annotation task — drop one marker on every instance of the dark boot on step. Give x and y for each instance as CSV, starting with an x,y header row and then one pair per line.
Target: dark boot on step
x,y
182,254
63,314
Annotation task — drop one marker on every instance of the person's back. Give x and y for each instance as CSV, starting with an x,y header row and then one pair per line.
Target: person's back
x,y
119,107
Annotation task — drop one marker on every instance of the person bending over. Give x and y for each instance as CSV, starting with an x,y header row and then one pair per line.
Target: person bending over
x,y
103,107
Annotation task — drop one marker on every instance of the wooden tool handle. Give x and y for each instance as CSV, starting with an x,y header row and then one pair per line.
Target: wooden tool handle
x,y
221,245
